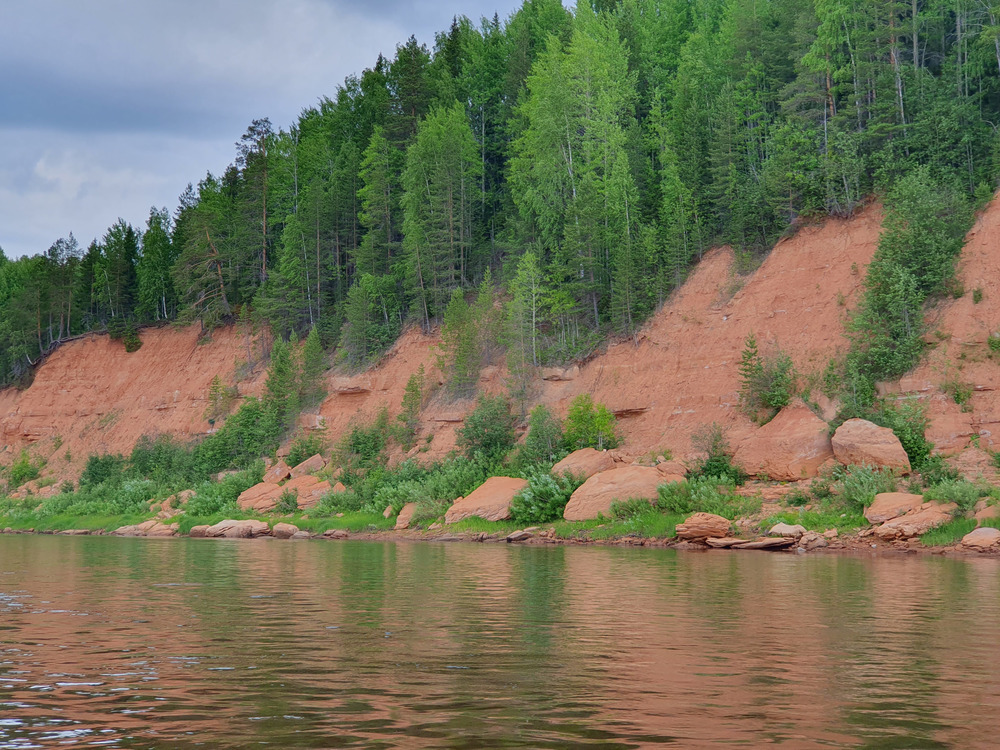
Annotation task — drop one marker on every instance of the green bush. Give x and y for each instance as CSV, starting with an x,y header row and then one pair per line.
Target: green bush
x,y
106,469
288,503
962,493
590,425
364,445
255,430
711,440
544,499
216,497
706,495
766,383
858,485
24,469
305,446
488,431
544,442
623,510
162,459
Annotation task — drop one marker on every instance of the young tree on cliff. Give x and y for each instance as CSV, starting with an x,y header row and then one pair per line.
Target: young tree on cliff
x,y
157,298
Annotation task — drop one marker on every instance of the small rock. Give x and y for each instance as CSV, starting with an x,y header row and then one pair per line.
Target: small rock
x,y
831,533
300,535
277,473
784,529
889,505
490,501
284,530
387,513
434,526
405,516
310,466
198,532
723,542
915,524
519,536
766,543
335,534
812,540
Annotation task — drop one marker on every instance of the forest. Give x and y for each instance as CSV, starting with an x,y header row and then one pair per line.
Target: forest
x,y
565,167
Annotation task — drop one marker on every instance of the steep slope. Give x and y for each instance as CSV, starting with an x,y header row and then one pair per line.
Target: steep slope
x,y
676,374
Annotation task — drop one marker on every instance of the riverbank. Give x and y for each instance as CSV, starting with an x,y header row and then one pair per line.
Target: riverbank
x,y
371,528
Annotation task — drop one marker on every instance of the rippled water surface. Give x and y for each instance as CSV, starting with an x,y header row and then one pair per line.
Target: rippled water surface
x,y
182,643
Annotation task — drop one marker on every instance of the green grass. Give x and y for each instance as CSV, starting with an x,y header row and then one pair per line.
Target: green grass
x,y
949,533
476,525
841,519
65,522
355,521
651,525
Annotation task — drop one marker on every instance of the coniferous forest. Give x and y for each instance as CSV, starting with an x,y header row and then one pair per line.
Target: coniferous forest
x,y
570,164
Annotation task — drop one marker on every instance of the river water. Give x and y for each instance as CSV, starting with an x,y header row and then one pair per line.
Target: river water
x,y
180,643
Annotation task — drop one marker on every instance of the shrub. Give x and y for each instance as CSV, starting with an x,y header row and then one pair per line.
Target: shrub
x,y
305,446
711,440
108,468
766,383
707,495
544,441
858,485
544,499
935,470
488,431
623,510
962,493
132,496
215,497
590,425
161,459
24,469
288,503
253,431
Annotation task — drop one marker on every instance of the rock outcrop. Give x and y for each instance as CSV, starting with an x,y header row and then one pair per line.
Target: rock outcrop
x,y
703,526
791,446
232,529
928,516
490,501
889,505
405,516
277,473
861,442
310,466
594,497
147,528
263,497
584,463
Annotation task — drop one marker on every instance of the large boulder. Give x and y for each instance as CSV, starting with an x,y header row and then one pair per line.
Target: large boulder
x,y
584,463
490,501
262,497
151,528
984,537
310,466
405,516
703,526
791,446
595,496
889,505
859,441
231,529
929,516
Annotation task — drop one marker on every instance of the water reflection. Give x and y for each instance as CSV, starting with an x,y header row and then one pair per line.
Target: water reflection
x,y
145,643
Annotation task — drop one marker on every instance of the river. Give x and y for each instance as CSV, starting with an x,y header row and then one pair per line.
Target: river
x,y
178,643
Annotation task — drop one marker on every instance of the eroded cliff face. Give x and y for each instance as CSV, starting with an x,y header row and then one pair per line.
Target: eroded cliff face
x,y
678,373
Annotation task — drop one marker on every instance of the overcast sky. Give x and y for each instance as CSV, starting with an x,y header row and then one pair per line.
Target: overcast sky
x,y
109,107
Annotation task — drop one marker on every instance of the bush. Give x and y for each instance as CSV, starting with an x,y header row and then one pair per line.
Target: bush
x,y
544,499
766,383
131,497
488,431
590,425
163,460
364,445
544,442
305,446
216,497
24,469
106,469
253,431
909,422
962,493
288,503
623,510
858,485
706,495
711,440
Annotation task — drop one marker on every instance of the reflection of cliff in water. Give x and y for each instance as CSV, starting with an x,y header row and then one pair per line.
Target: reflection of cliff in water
x,y
471,645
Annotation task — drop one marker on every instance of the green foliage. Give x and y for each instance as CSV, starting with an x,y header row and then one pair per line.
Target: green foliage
x,y
590,425
857,486
24,469
363,446
936,470
305,446
488,431
413,401
766,383
706,494
104,469
287,504
711,441
460,355
962,493
949,533
908,420
543,444
253,431
311,386
544,499
220,399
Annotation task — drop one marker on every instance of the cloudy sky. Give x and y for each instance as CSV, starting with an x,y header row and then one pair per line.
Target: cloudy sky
x,y
109,107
